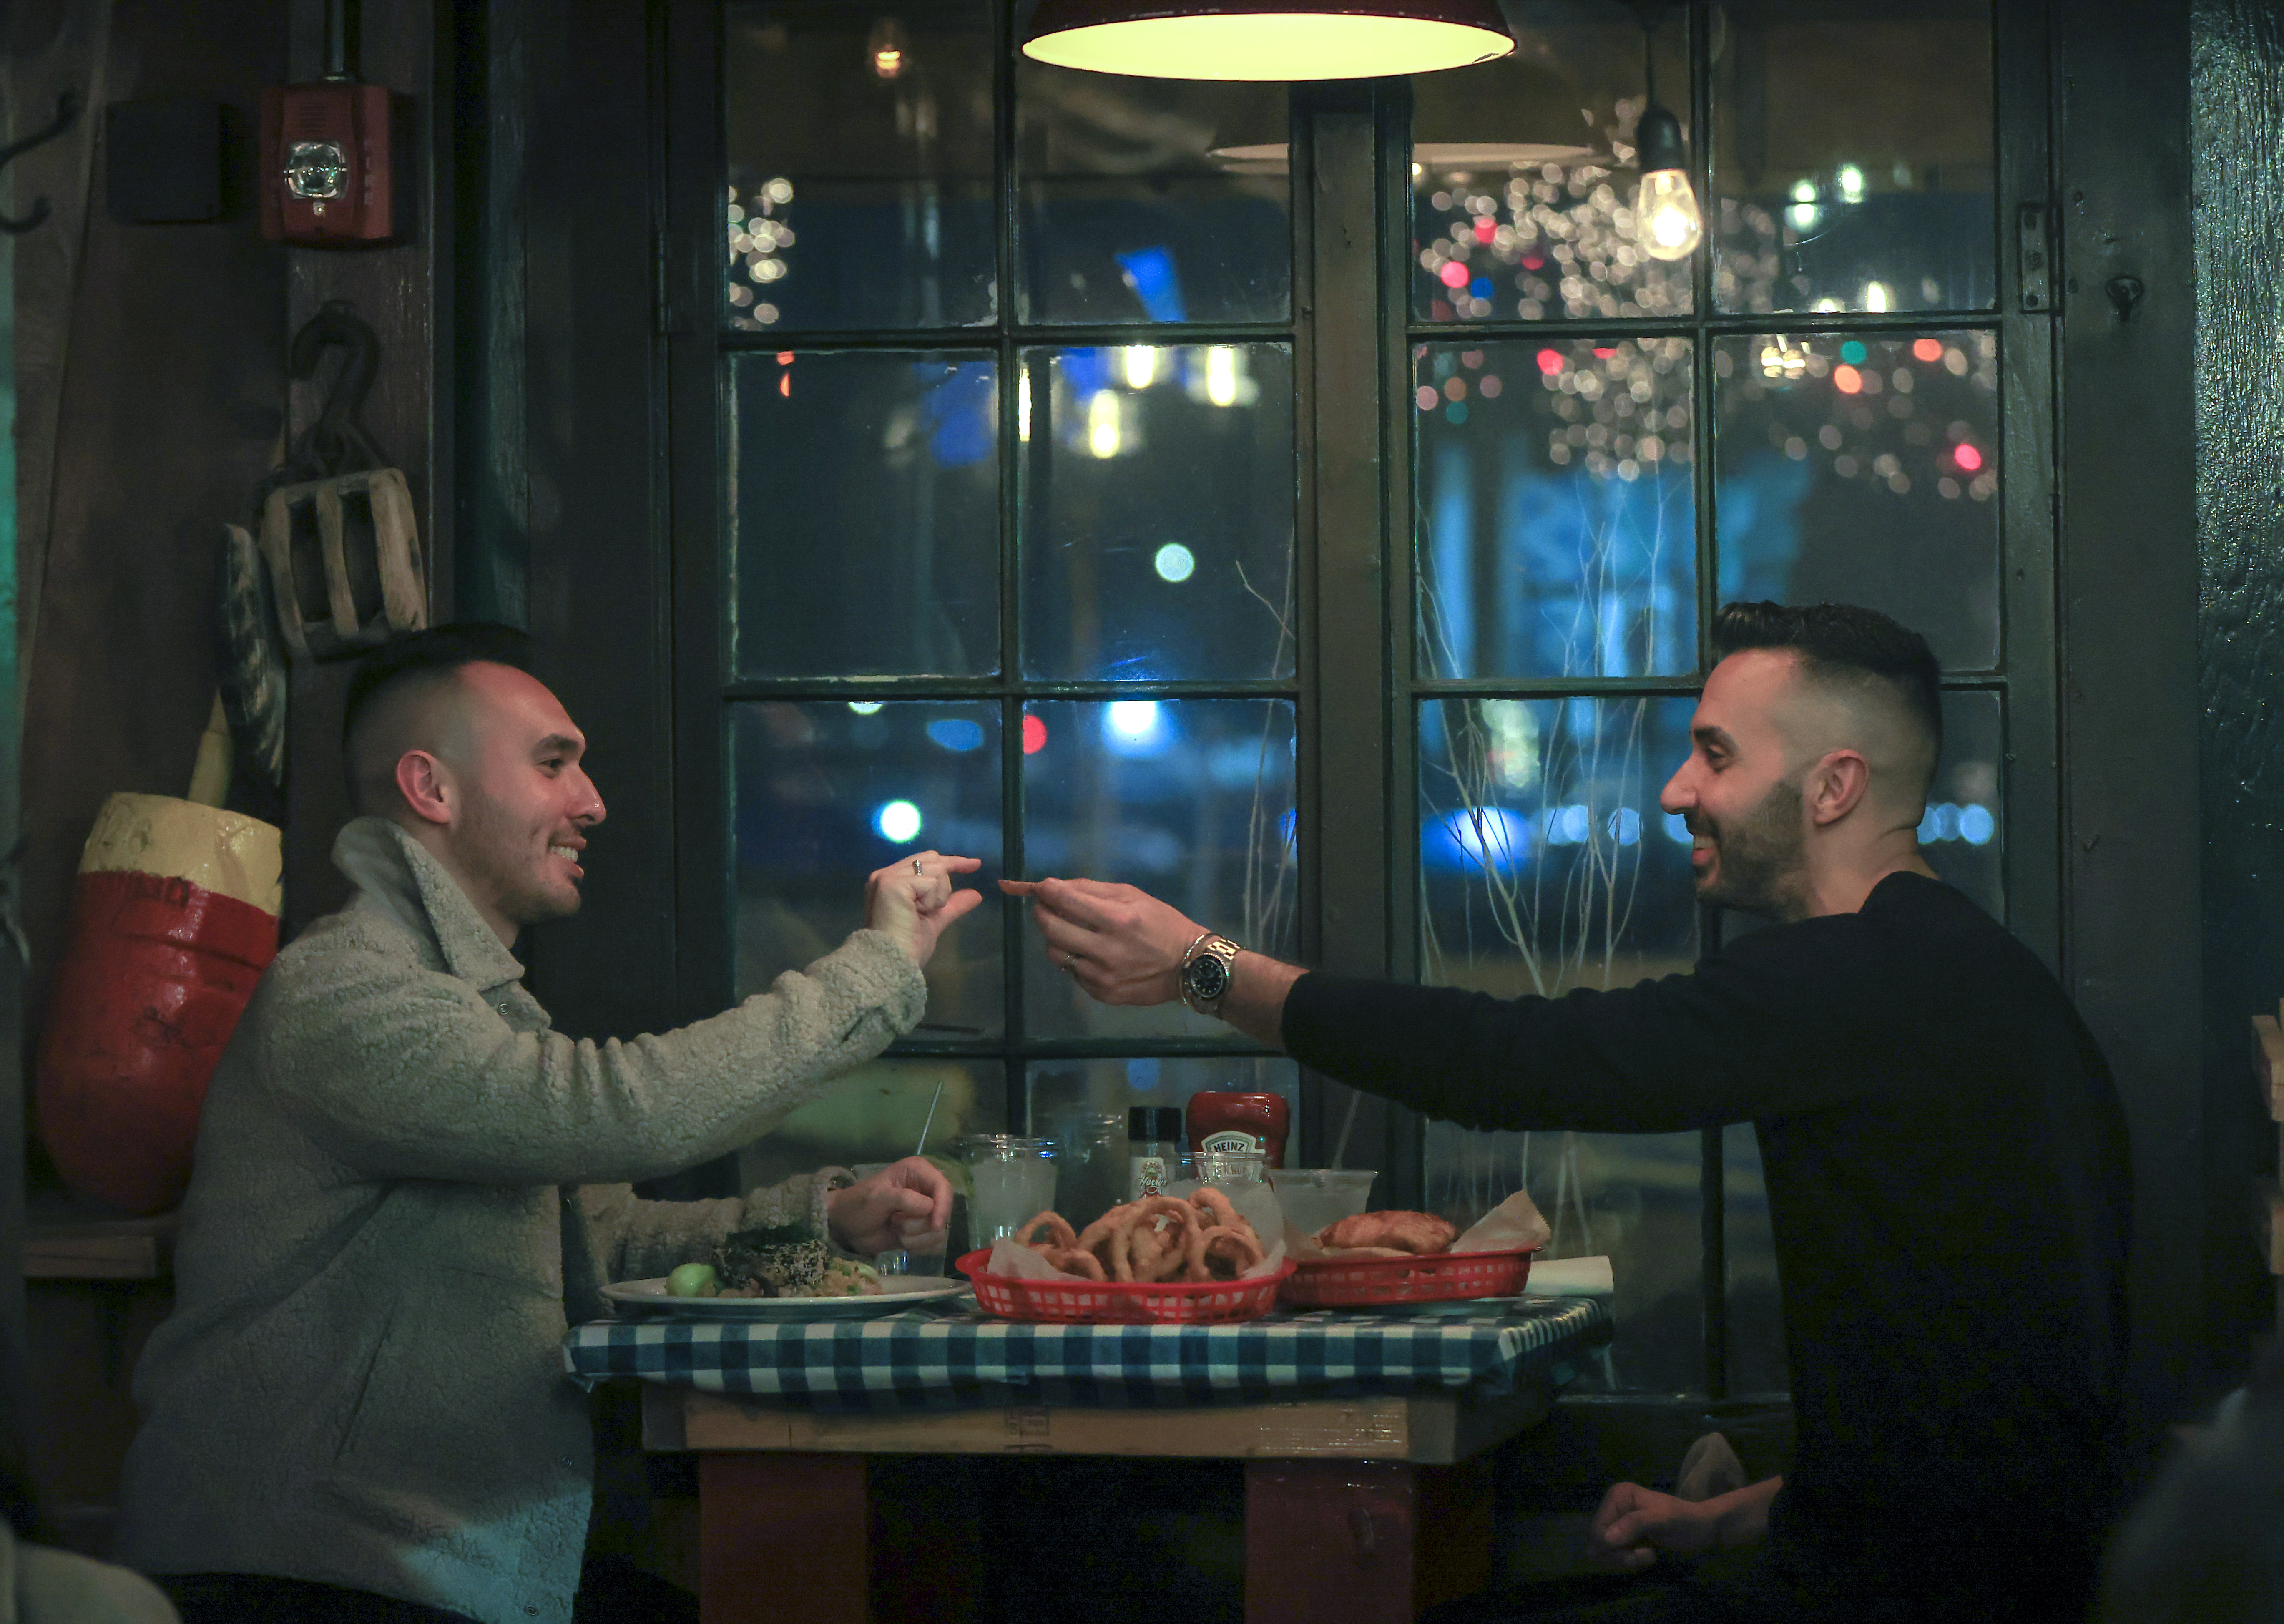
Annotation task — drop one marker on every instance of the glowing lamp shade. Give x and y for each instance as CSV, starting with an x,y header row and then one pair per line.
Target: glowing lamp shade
x,y
1266,40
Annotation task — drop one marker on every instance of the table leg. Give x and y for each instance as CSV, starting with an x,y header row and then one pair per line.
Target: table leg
x,y
1362,1542
774,1526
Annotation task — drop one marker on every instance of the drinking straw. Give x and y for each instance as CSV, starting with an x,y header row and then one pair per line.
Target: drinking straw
x,y
930,1118
1347,1125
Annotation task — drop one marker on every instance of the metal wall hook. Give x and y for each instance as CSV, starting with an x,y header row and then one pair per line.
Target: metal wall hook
x,y
2125,293
66,115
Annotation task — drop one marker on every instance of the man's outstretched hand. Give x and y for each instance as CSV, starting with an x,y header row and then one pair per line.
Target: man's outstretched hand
x,y
912,900
1123,946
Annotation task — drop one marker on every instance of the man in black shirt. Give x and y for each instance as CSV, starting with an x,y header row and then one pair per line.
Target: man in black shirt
x,y
1943,1145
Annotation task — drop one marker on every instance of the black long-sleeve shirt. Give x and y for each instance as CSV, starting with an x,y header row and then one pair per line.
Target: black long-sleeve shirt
x,y
1946,1171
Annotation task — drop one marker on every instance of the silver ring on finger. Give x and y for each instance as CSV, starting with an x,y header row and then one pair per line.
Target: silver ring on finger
x,y
918,869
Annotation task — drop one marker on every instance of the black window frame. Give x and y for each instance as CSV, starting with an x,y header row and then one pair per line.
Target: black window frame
x,y
1357,722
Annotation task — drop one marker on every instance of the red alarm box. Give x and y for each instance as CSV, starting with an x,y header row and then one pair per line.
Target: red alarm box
x,y
326,152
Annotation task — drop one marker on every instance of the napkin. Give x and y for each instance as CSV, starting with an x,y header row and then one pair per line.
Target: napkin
x,y
1570,1277
1514,1225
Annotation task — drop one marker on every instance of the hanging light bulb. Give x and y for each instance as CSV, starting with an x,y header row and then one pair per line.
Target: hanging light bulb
x,y
1266,40
887,50
1666,219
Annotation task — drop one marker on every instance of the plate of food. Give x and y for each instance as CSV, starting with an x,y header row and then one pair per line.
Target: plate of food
x,y
785,1273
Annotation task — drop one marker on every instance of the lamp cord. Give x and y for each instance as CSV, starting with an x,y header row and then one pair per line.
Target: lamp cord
x,y
1649,13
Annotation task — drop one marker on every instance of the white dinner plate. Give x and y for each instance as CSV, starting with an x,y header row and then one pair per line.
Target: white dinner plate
x,y
897,1293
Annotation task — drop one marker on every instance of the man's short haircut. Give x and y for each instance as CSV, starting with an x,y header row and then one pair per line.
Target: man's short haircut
x,y
1843,646
419,658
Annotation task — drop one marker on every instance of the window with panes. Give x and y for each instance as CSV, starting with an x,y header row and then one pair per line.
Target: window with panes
x,y
1310,504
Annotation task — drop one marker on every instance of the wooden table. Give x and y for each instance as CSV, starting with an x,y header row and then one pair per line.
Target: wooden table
x,y
1358,1510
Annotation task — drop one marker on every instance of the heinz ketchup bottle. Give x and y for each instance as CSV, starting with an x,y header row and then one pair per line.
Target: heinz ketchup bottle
x,y
1240,1122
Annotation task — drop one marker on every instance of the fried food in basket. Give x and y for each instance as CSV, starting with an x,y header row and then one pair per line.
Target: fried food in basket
x,y
1156,1240
1389,1235
1059,1232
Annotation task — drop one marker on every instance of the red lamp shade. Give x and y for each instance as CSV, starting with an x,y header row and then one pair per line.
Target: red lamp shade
x,y
1266,39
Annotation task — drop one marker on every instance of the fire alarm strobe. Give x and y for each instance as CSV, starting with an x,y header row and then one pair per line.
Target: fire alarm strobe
x,y
325,151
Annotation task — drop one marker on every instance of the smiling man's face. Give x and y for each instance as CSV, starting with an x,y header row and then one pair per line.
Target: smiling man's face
x,y
527,803
1739,791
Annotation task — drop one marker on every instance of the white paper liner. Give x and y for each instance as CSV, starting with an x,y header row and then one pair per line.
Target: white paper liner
x,y
1570,1278
1514,1224
1255,1202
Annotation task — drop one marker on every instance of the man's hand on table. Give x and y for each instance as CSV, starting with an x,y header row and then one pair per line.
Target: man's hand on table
x,y
1634,1524
912,900
906,1205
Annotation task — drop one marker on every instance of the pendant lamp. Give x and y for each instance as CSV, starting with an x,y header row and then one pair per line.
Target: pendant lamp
x,y
1266,40
1667,222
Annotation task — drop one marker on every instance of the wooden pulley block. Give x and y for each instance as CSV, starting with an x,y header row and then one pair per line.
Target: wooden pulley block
x,y
344,560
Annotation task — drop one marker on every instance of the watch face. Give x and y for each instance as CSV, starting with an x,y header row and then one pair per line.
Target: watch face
x,y
1207,977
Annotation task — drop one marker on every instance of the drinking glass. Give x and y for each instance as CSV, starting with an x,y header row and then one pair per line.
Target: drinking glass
x,y
1231,1166
1011,1180
899,1259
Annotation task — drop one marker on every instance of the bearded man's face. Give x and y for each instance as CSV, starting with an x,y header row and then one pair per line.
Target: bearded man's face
x,y
1738,794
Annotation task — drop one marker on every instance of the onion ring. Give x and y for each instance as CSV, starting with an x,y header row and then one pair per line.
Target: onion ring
x,y
1171,1206
1239,1247
1216,1209
1119,1252
1058,1231
1073,1261
1137,1251
1091,1237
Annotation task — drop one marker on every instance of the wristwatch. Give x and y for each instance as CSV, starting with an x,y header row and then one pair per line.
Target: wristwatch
x,y
1206,971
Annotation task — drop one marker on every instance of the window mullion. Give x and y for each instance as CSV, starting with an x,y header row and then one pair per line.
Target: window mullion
x,y
1346,547
1712,1215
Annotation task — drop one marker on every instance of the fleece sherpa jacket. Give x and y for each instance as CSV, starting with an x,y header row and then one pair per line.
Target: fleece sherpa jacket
x,y
406,1187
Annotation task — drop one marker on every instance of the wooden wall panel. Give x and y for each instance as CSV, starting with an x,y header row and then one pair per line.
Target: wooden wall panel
x,y
395,289
157,353
2237,136
149,377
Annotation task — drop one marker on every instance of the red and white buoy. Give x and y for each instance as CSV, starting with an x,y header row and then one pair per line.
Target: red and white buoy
x,y
173,918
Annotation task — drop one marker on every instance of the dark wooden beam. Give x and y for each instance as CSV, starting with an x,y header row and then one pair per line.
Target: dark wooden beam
x,y
2128,617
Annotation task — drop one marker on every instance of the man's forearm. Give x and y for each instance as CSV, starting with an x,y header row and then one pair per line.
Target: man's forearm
x,y
1743,1515
1254,1003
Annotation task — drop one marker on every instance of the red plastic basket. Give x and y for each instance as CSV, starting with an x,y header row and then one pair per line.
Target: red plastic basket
x,y
1367,1283
1082,1302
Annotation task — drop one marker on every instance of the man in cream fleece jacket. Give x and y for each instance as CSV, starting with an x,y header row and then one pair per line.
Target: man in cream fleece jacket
x,y
407,1186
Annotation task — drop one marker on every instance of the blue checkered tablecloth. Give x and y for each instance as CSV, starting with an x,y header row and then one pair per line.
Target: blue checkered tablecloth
x,y
941,1357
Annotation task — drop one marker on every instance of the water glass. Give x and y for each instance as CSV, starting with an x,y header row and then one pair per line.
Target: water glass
x,y
1090,1160
1229,1166
1011,1180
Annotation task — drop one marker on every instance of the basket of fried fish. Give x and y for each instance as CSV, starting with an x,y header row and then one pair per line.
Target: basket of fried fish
x,y
1381,1260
